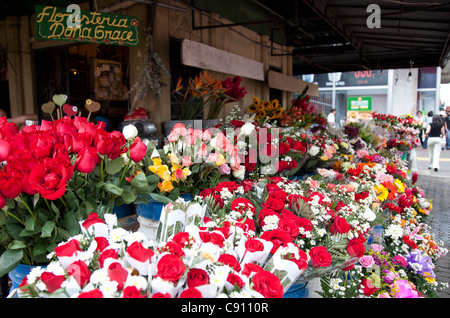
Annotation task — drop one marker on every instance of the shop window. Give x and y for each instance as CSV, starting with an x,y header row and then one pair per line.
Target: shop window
x,y
427,77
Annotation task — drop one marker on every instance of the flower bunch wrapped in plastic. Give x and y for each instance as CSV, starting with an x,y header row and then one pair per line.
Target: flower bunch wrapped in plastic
x,y
193,256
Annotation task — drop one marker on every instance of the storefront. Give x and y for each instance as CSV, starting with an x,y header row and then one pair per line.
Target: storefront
x,y
122,72
356,94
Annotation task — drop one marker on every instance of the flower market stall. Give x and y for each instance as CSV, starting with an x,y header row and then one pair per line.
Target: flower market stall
x,y
264,205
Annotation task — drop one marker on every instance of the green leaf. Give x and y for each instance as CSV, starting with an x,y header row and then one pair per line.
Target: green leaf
x,y
115,165
128,196
47,229
29,224
9,260
113,189
17,245
140,182
70,223
175,194
160,198
151,179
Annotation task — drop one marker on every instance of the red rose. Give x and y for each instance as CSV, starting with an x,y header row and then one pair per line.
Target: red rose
x,y
91,220
289,226
52,282
10,186
356,248
283,148
279,195
278,237
367,287
247,185
181,238
191,293
339,225
22,159
86,160
137,251
171,268
197,277
173,248
68,249
7,129
207,192
132,292
274,204
118,140
5,149
320,257
95,293
230,260
241,205
118,274
250,268
213,237
299,146
254,245
281,165
102,243
234,280
80,271
49,179
107,253
137,150
292,164
230,185
102,142
267,284
78,141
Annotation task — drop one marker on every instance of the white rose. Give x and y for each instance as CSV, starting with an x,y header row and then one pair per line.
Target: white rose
x,y
247,129
239,174
369,215
129,132
314,150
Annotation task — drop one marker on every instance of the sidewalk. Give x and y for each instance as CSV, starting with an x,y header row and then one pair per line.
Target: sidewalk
x,y
436,186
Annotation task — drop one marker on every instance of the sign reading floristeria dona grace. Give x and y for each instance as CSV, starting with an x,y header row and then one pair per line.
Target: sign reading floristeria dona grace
x,y
93,27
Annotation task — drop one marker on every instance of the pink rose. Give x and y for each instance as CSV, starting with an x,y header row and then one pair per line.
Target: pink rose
x,y
366,261
224,169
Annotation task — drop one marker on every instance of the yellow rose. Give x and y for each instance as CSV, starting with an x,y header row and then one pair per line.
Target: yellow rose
x,y
165,186
186,172
220,160
157,161
173,158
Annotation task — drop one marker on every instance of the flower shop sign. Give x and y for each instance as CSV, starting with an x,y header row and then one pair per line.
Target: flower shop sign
x,y
72,24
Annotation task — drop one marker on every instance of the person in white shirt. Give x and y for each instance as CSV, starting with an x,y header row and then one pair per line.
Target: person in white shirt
x,y
331,119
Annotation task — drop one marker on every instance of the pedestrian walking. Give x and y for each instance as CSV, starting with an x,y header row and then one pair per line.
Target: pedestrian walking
x,y
428,122
435,134
421,119
447,127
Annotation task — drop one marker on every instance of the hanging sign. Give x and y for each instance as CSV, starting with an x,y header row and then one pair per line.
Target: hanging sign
x,y
72,24
359,108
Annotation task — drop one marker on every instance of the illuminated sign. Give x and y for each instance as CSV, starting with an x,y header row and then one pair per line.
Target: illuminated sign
x,y
53,23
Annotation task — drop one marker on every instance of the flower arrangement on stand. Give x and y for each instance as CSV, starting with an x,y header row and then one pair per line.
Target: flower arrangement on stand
x,y
265,111
53,176
301,114
205,91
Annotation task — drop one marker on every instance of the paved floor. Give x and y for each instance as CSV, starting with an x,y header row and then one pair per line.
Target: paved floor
x,y
437,187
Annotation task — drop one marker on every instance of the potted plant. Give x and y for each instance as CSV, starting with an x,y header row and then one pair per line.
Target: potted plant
x,y
53,176
203,92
